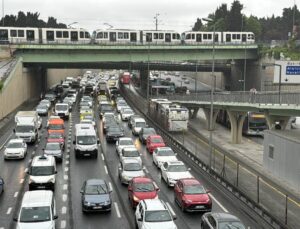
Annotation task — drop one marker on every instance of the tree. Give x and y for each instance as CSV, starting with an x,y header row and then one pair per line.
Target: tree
x,y
252,24
198,25
234,19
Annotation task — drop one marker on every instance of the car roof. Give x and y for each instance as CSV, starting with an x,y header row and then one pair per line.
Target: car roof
x,y
130,148
95,181
125,138
139,120
190,181
52,143
130,160
154,204
222,216
16,140
44,160
175,162
154,136
164,148
37,198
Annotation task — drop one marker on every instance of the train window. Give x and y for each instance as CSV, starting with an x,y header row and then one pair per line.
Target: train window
x,y
50,35
58,34
20,33
209,36
149,37
3,34
228,37
66,34
161,36
133,37
168,37
74,36
188,36
120,35
81,34
234,36
238,36
13,33
174,36
100,35
178,36
155,36
105,35
204,36
87,34
193,36
216,37
126,35
30,35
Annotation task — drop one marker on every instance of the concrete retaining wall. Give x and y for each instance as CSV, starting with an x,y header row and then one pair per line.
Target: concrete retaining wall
x,y
54,76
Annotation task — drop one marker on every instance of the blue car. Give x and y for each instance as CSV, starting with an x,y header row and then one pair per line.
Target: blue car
x,y
1,185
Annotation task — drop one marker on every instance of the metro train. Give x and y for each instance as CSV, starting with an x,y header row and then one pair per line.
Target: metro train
x,y
20,35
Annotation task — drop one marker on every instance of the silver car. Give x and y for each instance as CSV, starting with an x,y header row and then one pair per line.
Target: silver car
x,y
15,149
54,149
128,169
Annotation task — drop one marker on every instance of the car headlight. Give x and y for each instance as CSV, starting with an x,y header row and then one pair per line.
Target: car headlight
x,y
107,202
87,203
136,199
125,177
187,201
51,180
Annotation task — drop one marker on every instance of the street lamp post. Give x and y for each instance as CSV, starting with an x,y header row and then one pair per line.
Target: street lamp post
x,y
211,94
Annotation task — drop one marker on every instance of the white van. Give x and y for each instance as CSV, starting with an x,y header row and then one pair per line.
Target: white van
x,y
42,172
137,125
62,110
86,141
37,211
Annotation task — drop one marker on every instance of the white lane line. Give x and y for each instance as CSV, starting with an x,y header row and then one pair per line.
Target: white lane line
x,y
66,169
221,206
110,186
102,157
21,181
64,197
8,211
25,170
67,156
16,194
2,228
146,170
65,187
117,209
105,168
63,210
6,140
66,177
63,224
170,208
67,162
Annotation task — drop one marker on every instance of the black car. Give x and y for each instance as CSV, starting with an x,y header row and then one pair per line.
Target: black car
x,y
145,132
103,108
95,196
113,133
110,121
1,185
215,220
131,118
51,97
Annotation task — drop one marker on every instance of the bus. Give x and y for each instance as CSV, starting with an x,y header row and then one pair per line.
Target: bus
x,y
125,78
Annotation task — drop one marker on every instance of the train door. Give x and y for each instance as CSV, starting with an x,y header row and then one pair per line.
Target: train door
x,y
148,37
30,35
216,38
228,38
113,36
133,37
50,35
3,35
198,37
74,36
244,37
168,37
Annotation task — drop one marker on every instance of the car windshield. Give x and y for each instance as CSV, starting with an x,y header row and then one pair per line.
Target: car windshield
x,y
15,145
49,96
194,189
52,146
42,106
131,153
143,187
86,140
157,216
140,124
55,127
61,107
127,111
177,168
35,214
95,189
132,167
165,152
231,225
55,136
113,129
24,129
157,140
126,142
42,170
89,117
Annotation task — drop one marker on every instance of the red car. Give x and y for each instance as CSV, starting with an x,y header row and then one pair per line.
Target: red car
x,y
140,188
154,141
57,137
191,196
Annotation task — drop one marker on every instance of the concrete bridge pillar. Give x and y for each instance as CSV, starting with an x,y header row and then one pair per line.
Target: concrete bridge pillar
x,y
144,80
277,122
236,121
193,112
207,117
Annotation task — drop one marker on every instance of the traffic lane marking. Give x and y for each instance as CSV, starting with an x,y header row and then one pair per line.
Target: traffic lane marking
x,y
117,209
218,203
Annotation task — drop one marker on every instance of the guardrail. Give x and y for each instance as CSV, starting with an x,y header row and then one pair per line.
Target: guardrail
x,y
284,98
273,205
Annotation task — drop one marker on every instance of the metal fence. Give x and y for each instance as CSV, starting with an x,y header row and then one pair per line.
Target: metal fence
x,y
274,205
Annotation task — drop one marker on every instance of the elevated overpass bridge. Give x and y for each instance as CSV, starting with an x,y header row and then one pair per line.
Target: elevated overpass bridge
x,y
278,108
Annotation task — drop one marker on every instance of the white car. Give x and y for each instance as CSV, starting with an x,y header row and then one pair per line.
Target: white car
x,y
121,104
126,113
130,153
154,214
122,143
163,154
172,171
46,102
15,149
128,169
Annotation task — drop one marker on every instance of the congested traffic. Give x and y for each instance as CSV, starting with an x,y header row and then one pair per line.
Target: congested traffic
x,y
81,121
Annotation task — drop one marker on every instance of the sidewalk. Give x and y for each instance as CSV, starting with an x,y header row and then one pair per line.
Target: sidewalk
x,y
249,152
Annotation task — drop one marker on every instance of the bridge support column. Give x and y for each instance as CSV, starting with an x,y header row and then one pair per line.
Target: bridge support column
x,y
277,122
193,112
43,80
144,81
236,121
207,117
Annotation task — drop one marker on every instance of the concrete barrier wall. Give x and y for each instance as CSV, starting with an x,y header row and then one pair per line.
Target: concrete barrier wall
x,y
54,76
20,86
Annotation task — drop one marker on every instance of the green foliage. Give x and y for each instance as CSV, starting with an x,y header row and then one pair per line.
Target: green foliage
x,y
30,20
1,85
198,25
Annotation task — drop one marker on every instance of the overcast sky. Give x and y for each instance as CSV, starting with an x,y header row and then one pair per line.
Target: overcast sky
x,y
177,15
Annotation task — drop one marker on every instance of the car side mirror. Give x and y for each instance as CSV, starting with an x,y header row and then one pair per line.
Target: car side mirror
x,y
43,149
74,142
110,191
55,217
174,217
16,219
55,172
139,219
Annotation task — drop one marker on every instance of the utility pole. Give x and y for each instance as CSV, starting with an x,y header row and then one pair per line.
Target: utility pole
x,y
156,21
293,19
3,13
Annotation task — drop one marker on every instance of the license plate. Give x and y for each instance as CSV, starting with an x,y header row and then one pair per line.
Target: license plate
x,y
199,207
86,154
98,207
41,187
